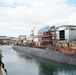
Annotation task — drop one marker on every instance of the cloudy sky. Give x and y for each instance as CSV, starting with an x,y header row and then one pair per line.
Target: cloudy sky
x,y
18,17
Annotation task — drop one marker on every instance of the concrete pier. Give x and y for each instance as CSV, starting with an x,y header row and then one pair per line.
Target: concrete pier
x,y
2,71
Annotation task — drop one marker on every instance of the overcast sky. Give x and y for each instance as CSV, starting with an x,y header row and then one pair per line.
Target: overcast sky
x,y
18,17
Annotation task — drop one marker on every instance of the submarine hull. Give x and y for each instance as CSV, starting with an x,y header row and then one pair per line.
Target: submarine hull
x,y
48,54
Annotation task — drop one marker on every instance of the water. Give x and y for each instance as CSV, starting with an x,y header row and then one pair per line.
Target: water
x,y
18,63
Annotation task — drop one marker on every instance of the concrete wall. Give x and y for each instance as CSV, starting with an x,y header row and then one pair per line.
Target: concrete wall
x,y
67,34
57,34
72,35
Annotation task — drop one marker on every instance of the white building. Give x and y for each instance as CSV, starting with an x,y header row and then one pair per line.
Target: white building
x,y
66,32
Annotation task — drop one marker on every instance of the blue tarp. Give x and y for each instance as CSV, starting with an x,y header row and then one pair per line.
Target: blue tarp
x,y
44,29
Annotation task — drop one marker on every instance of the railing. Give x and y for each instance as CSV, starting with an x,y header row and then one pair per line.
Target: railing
x,y
47,40
46,35
65,50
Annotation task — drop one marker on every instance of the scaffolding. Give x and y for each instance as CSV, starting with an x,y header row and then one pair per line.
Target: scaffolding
x,y
47,39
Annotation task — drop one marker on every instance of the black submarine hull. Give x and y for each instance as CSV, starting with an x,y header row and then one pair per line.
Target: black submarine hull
x,y
48,54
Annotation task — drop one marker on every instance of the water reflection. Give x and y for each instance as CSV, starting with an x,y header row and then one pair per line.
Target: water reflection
x,y
19,63
54,68
50,67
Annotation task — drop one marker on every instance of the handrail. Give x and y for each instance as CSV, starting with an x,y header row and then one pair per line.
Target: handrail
x,y
48,39
46,35
65,50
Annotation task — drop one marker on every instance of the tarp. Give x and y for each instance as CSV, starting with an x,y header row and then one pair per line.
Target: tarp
x,y
44,29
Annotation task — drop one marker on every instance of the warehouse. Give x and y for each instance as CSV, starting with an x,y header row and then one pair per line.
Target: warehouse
x,y
66,32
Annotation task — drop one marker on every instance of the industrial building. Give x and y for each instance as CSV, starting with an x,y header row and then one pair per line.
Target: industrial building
x,y
66,32
47,36
7,40
51,34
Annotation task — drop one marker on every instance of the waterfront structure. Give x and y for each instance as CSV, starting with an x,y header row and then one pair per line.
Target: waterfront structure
x,y
0,55
47,54
66,32
63,32
33,38
2,67
13,40
22,37
7,40
4,39
30,38
59,38
47,36
50,47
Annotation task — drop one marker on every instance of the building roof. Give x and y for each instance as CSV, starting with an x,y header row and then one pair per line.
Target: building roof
x,y
70,27
5,38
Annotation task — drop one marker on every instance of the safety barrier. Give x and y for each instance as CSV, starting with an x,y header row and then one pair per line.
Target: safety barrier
x,y
46,35
47,39
65,50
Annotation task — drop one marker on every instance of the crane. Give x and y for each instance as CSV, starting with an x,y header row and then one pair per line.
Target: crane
x,y
33,31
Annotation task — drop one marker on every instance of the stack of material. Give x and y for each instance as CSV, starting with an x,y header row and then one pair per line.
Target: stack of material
x,y
73,44
58,44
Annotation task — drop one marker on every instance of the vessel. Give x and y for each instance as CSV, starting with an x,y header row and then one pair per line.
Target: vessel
x,y
47,54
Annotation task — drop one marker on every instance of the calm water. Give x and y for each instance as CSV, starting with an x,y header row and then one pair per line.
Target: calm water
x,y
21,64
